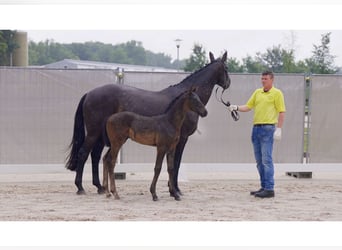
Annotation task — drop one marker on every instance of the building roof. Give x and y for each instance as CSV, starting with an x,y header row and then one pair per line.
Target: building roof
x,y
80,64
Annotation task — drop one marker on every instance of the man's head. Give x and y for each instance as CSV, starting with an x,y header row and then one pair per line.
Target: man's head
x,y
267,80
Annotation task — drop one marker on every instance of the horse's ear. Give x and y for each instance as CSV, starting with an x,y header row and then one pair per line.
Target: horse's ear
x,y
224,57
211,56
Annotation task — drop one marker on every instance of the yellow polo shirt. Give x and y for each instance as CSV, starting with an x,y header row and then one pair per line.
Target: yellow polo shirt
x,y
266,105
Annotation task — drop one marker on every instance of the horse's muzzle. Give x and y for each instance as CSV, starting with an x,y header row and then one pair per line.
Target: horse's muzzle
x,y
227,85
204,113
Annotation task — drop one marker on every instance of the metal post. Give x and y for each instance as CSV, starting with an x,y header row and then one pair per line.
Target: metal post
x,y
178,41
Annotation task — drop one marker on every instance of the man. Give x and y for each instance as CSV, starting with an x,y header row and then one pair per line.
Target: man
x,y
269,114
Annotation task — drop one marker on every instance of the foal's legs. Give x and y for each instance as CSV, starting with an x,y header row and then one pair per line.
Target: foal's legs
x,y
113,155
157,169
107,161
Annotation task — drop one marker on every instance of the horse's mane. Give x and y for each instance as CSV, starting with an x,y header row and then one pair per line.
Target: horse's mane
x,y
174,101
194,73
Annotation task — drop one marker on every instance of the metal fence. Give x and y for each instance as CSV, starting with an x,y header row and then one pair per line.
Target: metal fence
x,y
37,109
325,140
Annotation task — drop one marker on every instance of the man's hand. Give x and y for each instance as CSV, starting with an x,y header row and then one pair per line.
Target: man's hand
x,y
231,108
277,134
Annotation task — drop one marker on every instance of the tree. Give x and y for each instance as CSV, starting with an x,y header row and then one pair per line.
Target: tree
x,y
277,59
234,65
48,52
131,52
197,59
8,45
322,62
159,59
272,59
253,65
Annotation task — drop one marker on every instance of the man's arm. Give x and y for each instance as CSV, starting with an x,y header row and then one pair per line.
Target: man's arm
x,y
281,119
243,108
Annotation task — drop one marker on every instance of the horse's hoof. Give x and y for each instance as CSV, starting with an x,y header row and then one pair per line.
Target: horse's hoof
x,y
177,198
155,198
101,190
81,192
178,193
108,195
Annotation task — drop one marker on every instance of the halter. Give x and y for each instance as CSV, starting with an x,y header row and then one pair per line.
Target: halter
x,y
234,113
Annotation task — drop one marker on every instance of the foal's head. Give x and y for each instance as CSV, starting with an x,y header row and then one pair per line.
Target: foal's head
x,y
194,103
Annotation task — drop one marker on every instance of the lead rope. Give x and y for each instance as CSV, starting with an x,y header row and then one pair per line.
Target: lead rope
x,y
234,113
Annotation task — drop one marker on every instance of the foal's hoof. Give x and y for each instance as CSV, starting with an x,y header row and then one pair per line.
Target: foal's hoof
x,y
101,190
81,192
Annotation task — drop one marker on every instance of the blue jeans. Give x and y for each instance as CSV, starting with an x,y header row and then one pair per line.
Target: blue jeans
x,y
262,139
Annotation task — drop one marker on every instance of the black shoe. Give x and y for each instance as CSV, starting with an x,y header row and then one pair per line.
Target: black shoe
x,y
265,194
254,192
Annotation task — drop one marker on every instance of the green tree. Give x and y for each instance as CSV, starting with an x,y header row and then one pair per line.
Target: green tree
x,y
48,52
8,45
272,59
135,52
197,59
277,59
131,52
234,65
253,65
322,62
159,59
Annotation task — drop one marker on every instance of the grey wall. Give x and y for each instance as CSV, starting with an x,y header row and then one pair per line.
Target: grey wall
x,y
326,121
37,109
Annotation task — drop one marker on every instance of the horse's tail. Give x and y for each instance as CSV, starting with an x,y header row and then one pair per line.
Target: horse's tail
x,y
77,138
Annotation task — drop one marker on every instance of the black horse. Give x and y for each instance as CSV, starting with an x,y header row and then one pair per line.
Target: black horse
x,y
161,131
98,104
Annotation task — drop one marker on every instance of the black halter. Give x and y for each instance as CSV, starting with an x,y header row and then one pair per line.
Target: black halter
x,y
234,113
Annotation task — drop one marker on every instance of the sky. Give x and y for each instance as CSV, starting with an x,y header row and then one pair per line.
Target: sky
x,y
240,29
238,43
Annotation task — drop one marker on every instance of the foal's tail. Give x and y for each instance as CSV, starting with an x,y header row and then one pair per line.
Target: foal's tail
x,y
77,138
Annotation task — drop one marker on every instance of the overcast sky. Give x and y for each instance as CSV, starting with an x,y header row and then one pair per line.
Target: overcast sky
x,y
241,29
238,43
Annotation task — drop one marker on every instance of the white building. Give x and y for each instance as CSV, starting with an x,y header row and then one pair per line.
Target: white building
x,y
80,64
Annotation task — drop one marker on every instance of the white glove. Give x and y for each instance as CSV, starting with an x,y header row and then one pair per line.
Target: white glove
x,y
277,134
231,108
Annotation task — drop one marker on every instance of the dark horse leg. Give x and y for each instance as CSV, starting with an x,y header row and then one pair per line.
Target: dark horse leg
x,y
157,169
95,159
81,159
170,169
177,162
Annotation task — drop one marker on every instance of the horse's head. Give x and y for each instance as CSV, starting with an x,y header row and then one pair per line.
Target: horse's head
x,y
195,104
223,77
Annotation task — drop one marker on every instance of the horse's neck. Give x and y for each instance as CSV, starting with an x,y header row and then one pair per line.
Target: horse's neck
x,y
177,112
204,92
203,80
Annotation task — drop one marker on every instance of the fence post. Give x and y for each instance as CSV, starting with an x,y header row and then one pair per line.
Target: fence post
x,y
307,117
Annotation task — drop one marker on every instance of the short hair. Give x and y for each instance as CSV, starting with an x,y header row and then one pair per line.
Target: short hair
x,y
269,73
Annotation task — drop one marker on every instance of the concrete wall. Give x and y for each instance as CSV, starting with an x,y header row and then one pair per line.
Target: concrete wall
x,y
37,108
